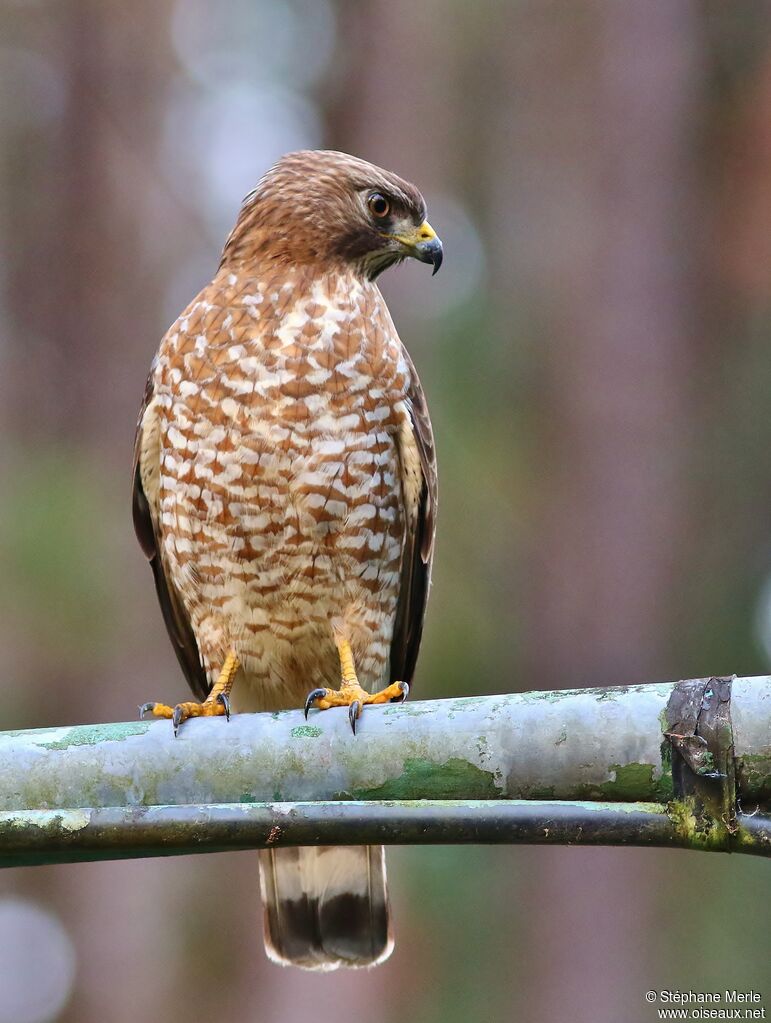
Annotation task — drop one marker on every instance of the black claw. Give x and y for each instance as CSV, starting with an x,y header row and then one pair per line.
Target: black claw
x,y
405,688
353,713
176,719
314,694
224,699
145,708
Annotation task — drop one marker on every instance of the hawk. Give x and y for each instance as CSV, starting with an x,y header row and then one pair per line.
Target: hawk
x,y
285,495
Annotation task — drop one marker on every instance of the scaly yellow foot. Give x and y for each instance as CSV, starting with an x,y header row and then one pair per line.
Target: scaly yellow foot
x,y
216,703
350,694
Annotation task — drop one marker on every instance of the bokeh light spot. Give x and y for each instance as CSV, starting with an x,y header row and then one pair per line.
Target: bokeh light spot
x,y
37,965
259,40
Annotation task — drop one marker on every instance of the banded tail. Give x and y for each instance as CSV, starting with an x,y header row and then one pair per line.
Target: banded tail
x,y
326,906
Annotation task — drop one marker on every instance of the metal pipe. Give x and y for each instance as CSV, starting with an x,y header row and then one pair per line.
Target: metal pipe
x,y
446,759
65,836
592,744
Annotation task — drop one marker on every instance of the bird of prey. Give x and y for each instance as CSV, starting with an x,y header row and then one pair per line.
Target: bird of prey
x,y
285,496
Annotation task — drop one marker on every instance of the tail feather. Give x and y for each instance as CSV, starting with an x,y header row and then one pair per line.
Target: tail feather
x,y
326,906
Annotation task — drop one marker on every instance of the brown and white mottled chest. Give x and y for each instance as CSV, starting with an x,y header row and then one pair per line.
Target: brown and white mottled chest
x,y
282,487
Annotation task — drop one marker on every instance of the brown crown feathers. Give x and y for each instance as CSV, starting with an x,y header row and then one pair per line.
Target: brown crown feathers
x,y
330,209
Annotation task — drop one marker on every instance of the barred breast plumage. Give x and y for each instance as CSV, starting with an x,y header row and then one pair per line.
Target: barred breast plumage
x,y
280,492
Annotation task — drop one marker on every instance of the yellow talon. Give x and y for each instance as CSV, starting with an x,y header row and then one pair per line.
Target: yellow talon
x,y
215,704
350,694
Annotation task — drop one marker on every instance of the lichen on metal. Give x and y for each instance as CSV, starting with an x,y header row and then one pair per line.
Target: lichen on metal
x,y
306,732
90,735
423,779
695,830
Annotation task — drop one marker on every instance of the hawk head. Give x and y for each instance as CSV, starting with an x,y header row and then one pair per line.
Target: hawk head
x,y
325,209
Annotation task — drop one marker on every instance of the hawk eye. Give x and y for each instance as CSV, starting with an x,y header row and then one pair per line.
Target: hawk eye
x,y
379,206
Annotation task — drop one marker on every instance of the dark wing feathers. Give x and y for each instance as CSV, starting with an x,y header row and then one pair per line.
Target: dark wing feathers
x,y
419,544
174,615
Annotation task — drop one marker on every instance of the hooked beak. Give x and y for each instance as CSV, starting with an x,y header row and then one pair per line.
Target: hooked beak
x,y
423,243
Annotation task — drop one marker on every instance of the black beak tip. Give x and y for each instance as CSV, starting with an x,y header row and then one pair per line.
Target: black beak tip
x,y
436,255
430,252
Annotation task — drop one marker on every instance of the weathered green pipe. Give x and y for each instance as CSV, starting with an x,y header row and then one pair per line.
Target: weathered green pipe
x,y
593,744
66,836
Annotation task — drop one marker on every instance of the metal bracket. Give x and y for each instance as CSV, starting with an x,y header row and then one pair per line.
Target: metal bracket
x,y
703,763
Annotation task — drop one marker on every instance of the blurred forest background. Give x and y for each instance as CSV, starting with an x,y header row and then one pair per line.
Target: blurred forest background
x,y
597,356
